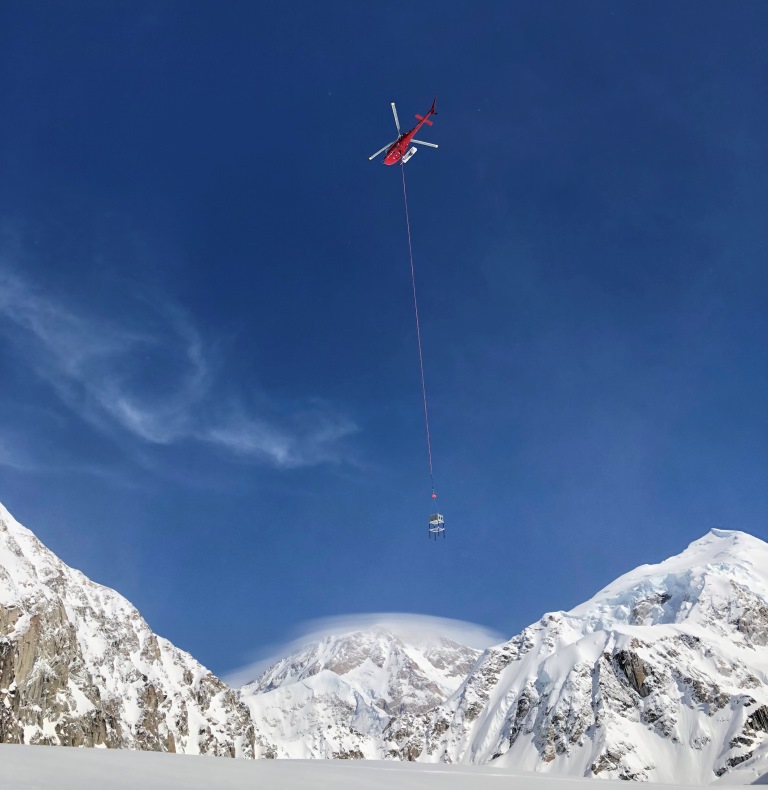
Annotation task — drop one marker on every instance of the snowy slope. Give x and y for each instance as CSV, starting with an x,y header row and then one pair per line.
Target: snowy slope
x,y
79,666
34,768
661,676
336,697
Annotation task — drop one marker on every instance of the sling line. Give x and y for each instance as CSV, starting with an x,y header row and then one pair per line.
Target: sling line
x,y
418,334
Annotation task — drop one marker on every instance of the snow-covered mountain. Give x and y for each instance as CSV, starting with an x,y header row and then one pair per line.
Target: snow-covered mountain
x,y
662,676
79,666
337,696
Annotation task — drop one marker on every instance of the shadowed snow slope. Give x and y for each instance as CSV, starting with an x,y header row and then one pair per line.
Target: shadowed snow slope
x,y
79,666
661,676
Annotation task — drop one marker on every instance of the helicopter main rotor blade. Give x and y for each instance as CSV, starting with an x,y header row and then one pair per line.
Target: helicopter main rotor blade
x,y
397,122
421,142
381,150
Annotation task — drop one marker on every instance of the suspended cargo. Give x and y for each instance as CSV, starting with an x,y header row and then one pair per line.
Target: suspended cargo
x,y
436,525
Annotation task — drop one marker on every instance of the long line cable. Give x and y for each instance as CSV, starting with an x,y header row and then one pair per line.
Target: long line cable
x,y
418,333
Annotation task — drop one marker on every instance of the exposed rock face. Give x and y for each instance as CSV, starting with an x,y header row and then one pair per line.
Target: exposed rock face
x,y
337,697
80,667
662,676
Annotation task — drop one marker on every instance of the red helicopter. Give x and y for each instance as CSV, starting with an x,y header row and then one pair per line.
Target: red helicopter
x,y
398,150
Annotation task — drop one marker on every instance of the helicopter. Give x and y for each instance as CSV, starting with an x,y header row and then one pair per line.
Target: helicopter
x,y
398,151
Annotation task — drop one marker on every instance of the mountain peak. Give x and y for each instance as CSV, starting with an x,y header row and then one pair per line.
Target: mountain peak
x,y
686,586
725,533
79,666
660,676
337,695
731,541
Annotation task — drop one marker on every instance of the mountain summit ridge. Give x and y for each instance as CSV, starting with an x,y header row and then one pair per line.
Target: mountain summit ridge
x,y
718,556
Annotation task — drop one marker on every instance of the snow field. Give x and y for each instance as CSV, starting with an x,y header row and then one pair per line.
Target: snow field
x,y
44,767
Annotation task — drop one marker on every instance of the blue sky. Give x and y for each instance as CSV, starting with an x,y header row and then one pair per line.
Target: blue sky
x,y
210,393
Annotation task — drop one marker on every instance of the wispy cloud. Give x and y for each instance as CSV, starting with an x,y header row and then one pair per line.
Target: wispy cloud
x,y
312,436
155,380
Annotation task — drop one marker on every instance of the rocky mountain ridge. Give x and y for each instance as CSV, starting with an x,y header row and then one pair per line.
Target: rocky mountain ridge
x,y
79,666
